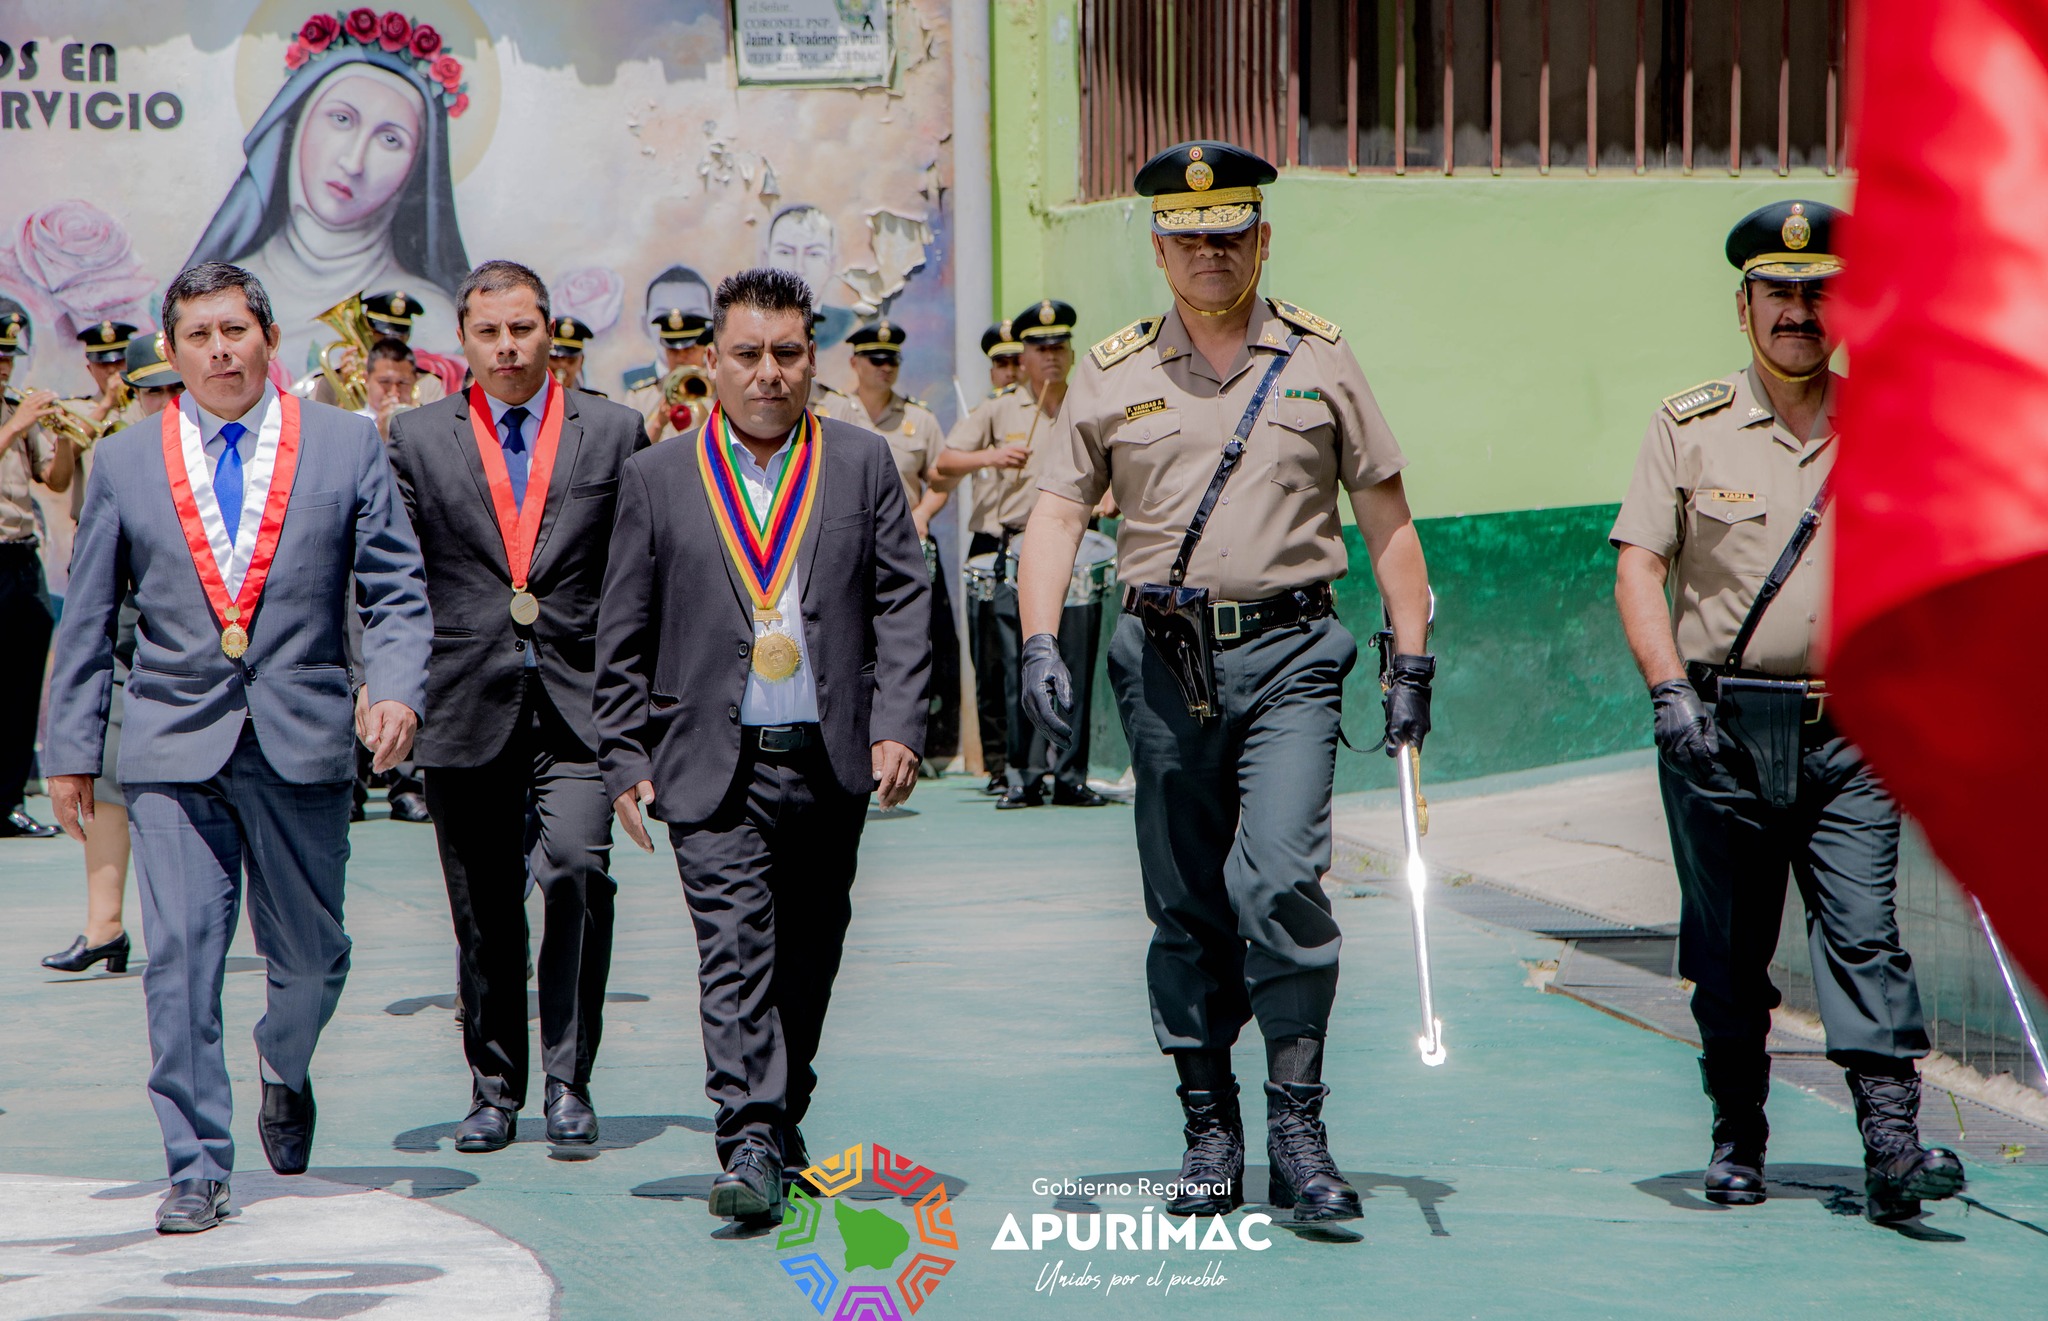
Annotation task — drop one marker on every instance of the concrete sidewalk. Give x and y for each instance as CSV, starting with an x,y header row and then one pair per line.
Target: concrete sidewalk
x,y
991,1027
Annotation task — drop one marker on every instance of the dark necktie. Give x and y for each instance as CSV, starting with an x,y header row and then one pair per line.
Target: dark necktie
x,y
510,427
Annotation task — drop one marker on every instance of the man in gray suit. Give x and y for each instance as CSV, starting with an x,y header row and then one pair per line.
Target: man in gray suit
x,y
237,524
754,701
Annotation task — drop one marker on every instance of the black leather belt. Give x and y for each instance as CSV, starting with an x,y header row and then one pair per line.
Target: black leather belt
x,y
1233,623
773,739
1706,681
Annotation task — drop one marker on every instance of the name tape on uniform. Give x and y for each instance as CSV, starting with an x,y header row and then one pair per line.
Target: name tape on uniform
x,y
1133,412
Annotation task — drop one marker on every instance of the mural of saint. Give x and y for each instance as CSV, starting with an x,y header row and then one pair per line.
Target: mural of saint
x,y
347,186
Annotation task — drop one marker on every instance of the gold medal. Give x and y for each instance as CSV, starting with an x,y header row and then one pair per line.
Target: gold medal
x,y
234,641
525,607
776,656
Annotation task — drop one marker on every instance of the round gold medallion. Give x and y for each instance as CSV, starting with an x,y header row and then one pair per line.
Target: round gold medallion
x,y
234,641
1200,176
525,607
776,656
1797,231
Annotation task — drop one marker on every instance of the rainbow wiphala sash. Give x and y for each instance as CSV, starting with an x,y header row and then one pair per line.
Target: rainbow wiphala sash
x,y
764,547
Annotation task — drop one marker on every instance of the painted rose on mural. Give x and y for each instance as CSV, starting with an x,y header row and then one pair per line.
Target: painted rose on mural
x,y
347,187
594,295
71,265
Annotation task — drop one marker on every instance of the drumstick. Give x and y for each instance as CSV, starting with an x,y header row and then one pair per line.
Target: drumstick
x,y
1037,413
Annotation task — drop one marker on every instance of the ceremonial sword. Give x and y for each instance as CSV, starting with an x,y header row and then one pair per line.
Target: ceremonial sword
x,y
1414,825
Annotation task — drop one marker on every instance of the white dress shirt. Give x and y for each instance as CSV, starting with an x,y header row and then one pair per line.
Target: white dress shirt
x,y
199,434
793,700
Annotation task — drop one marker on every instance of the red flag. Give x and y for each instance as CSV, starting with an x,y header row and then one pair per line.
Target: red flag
x,y
1941,578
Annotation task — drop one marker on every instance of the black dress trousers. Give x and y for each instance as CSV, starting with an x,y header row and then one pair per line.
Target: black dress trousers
x,y
25,624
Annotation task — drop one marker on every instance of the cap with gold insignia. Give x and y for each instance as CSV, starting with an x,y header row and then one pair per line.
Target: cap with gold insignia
x,y
1047,321
1786,241
107,341
877,337
678,329
998,342
391,312
147,369
1204,188
569,336
14,330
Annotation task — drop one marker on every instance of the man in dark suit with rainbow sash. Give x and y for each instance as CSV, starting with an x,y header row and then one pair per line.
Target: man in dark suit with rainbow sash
x,y
763,661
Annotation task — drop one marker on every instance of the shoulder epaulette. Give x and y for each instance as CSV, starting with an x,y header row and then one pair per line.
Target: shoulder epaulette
x,y
1304,319
823,388
12,395
1127,341
917,403
641,376
1702,399
599,393
1011,388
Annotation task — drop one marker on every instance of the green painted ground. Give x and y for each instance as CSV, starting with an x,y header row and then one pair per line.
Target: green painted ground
x,y
991,1023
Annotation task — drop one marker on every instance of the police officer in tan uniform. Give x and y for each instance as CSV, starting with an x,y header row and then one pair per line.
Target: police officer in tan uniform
x,y
915,440
29,453
1003,443
1226,429
684,338
106,357
567,338
984,650
1724,545
1005,357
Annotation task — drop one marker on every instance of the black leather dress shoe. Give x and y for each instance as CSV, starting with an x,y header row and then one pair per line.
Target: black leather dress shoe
x,y
796,1158
194,1205
356,813
82,956
286,1126
20,825
410,807
750,1188
1069,795
1020,797
570,1118
997,784
488,1128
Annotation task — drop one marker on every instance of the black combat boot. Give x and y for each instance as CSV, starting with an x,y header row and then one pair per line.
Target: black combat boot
x,y
1212,1170
1298,1149
1898,1173
1737,1084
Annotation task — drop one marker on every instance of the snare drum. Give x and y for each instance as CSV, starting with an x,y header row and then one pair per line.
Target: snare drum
x,y
1094,573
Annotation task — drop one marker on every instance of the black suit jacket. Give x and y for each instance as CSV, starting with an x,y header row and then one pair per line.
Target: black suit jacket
x,y
675,634
473,677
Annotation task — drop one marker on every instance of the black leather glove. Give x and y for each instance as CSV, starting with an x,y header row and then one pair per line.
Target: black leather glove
x,y
1407,700
1048,689
1686,736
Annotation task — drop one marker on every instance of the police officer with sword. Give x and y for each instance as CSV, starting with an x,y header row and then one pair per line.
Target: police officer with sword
x,y
1225,428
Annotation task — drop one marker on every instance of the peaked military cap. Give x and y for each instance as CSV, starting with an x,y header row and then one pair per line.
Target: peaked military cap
x,y
394,309
1204,188
13,332
569,336
1789,241
998,342
147,368
1045,321
679,329
876,337
107,341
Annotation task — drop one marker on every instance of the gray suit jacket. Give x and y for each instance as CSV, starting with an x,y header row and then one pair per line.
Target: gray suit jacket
x,y
186,701
675,629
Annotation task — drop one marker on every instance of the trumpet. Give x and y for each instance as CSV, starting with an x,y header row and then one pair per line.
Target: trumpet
x,y
685,391
346,362
69,419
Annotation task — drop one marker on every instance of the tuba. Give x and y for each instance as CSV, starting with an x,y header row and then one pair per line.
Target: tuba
x,y
686,390
346,362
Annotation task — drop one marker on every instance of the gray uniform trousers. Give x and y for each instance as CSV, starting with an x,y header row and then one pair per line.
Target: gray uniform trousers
x,y
193,843
1840,841
1233,818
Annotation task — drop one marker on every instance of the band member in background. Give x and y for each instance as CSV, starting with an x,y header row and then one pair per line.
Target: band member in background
x,y
763,654
1005,357
684,338
512,487
1002,443
391,385
1229,662
29,453
391,315
237,523
567,338
106,357
105,939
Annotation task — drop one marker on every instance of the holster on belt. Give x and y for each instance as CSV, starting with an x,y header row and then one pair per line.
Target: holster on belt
x,y
1176,623
1764,718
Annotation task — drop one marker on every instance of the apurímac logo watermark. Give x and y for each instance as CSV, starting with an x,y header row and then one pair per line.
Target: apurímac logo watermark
x,y
1147,1231
870,1239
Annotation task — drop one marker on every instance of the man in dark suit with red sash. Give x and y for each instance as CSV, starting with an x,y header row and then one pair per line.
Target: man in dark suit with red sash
x,y
763,660
512,485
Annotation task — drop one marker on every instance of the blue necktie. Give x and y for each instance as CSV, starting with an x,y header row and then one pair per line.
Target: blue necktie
x,y
227,477
515,450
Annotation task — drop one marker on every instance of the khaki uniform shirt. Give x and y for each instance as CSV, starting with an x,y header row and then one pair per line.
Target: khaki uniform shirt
x,y
27,460
909,427
1718,495
1152,425
1003,496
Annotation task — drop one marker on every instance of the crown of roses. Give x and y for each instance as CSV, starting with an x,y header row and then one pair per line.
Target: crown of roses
x,y
394,34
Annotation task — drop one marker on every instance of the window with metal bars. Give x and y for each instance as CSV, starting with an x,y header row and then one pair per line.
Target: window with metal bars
x,y
1463,86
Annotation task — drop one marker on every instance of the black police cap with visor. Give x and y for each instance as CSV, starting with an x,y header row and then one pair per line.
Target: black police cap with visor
x,y
1207,188
1790,242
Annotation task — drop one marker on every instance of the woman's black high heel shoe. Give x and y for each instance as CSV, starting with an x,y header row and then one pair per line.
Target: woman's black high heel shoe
x,y
80,957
